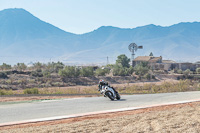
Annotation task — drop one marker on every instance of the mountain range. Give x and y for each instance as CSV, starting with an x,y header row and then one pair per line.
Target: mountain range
x,y
26,38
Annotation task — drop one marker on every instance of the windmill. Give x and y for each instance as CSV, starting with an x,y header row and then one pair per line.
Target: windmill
x,y
133,48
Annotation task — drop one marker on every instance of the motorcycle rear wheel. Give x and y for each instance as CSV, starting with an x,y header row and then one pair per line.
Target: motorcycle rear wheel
x,y
118,96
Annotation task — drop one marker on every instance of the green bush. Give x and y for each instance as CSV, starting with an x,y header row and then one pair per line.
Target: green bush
x,y
187,73
6,92
54,67
31,91
46,73
147,76
123,60
101,72
118,70
38,66
36,74
69,71
87,72
3,75
20,67
5,66
198,70
179,71
141,69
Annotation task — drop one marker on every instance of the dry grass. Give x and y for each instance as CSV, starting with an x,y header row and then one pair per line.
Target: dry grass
x,y
165,87
141,88
68,90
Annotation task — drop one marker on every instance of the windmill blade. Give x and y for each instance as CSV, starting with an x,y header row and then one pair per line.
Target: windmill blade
x,y
132,47
140,47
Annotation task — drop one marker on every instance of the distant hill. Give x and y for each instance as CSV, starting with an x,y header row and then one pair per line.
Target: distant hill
x,y
22,34
25,38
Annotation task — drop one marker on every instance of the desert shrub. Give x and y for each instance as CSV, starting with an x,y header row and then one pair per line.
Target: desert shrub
x,y
20,67
53,67
38,65
31,91
46,73
182,85
179,71
130,70
5,66
118,70
187,72
147,76
37,73
198,86
198,70
3,75
175,70
8,81
101,72
69,71
87,72
57,66
141,69
6,92
57,84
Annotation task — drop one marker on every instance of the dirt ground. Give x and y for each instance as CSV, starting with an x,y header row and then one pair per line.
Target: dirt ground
x,y
11,99
180,118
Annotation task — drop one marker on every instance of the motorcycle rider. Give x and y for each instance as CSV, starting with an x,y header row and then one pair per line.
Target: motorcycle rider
x,y
102,84
108,92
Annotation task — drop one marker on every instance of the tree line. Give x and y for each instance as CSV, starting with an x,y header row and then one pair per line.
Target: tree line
x,y
121,67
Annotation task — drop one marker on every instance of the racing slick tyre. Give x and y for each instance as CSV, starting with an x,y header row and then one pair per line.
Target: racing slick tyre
x,y
110,95
118,96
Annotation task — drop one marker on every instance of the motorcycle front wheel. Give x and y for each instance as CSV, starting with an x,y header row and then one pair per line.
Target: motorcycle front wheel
x,y
110,95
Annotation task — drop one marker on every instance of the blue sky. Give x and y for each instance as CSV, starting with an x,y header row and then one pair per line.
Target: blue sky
x,y
81,16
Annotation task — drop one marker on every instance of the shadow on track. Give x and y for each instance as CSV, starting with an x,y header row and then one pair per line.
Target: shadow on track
x,y
121,100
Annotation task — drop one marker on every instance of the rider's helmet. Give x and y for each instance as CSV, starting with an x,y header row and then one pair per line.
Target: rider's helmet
x,y
102,82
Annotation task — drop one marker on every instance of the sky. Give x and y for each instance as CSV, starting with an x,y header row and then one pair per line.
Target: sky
x,y
81,16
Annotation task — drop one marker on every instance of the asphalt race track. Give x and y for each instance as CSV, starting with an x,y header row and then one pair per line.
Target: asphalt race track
x,y
50,108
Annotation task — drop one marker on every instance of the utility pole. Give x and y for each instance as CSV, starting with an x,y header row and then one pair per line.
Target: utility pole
x,y
107,60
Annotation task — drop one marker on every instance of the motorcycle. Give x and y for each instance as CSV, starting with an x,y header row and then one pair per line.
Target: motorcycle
x,y
110,92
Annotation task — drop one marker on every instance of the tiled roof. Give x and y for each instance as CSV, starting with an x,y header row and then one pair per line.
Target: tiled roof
x,y
168,61
143,58
155,59
147,58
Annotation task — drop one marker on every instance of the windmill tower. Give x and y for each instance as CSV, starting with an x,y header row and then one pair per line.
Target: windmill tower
x,y
133,48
